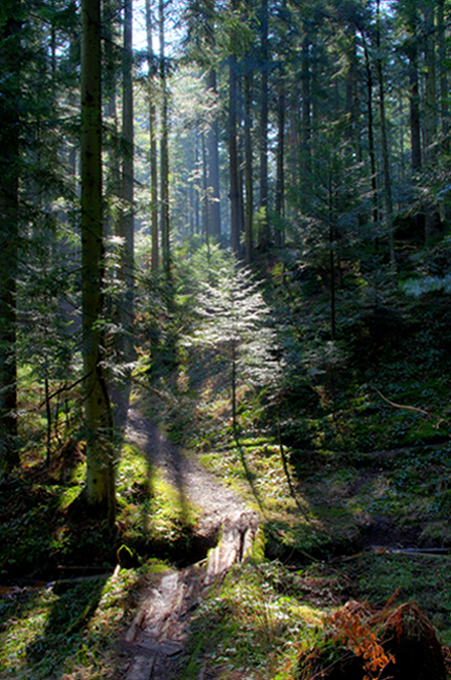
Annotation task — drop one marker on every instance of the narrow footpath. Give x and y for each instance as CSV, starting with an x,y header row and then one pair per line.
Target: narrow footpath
x,y
156,641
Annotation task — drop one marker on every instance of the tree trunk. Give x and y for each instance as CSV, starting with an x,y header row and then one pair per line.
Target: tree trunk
x,y
153,141
280,179
110,12
10,58
415,135
214,214
235,213
263,240
444,90
306,114
294,126
98,421
352,103
127,218
369,80
204,190
385,154
430,113
164,153
248,167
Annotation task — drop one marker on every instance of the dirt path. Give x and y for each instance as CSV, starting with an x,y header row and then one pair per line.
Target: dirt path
x,y
156,641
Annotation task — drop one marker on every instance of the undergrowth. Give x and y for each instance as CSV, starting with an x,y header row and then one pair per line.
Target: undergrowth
x,y
65,629
364,438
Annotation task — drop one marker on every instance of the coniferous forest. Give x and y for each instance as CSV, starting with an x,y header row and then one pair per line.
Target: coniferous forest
x,y
225,354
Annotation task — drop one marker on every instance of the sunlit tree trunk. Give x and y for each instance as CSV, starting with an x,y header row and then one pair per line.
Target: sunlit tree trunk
x,y
164,150
214,214
264,238
113,180
98,422
280,178
248,165
204,189
153,141
9,186
127,218
385,153
240,151
197,188
235,212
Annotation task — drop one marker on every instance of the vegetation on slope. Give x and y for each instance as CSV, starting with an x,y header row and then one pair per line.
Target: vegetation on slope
x,y
361,428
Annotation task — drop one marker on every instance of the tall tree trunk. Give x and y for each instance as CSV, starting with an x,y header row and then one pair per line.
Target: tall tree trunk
x,y
240,150
153,141
248,167
127,218
198,175
110,11
294,126
99,452
352,96
430,113
369,81
332,243
264,225
415,134
214,213
444,90
306,114
204,190
10,60
385,153
235,212
164,152
280,178
415,126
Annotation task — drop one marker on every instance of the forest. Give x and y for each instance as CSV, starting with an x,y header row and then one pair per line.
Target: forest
x,y
225,354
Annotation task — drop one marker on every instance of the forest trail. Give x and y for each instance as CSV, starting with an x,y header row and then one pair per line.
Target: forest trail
x,y
156,640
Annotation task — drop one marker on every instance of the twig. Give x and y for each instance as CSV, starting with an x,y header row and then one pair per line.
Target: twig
x,y
64,388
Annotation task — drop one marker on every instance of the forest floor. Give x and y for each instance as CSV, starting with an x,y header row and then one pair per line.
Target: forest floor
x,y
156,645
369,526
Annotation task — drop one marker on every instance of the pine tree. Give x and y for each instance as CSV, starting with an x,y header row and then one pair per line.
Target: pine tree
x,y
235,321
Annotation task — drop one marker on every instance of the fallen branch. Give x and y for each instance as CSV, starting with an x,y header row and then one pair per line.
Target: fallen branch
x,y
425,412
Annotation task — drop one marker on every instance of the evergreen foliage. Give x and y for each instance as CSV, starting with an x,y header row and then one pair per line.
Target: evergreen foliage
x,y
235,321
